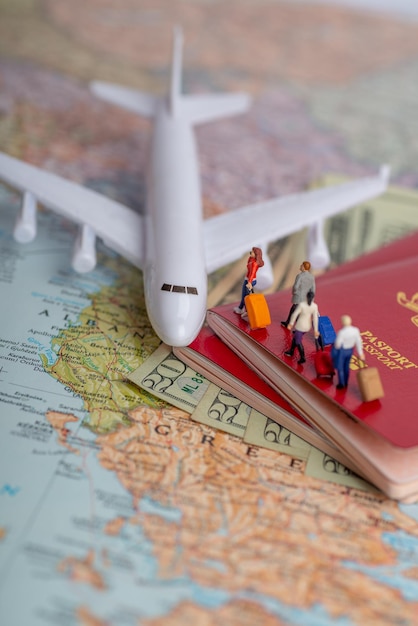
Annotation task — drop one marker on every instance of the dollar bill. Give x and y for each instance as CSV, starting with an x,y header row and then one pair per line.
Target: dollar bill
x,y
324,467
265,432
371,224
168,378
221,410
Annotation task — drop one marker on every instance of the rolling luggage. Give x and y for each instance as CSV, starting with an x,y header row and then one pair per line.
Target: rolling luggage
x,y
323,363
257,311
327,333
369,382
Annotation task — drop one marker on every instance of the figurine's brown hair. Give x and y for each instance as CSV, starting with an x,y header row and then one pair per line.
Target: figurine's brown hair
x,y
258,256
306,265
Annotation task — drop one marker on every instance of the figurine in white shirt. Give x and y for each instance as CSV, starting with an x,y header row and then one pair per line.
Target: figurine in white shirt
x,y
304,316
348,338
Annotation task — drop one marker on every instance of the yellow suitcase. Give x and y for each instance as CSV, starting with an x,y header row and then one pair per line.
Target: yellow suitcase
x,y
257,311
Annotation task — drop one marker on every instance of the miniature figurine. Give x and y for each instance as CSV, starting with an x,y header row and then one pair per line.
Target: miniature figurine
x,y
255,260
348,338
303,317
304,282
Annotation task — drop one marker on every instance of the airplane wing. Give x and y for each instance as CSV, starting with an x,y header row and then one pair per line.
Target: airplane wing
x,y
119,227
229,236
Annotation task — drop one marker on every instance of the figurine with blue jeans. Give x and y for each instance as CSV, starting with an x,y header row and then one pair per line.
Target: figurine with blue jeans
x,y
348,338
255,260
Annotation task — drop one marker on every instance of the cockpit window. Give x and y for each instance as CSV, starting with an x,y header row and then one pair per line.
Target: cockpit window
x,y
179,289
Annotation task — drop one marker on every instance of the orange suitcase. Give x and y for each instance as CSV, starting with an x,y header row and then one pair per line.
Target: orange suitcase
x,y
257,311
369,382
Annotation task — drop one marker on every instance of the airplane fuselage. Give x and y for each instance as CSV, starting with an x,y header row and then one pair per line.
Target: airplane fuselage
x,y
174,269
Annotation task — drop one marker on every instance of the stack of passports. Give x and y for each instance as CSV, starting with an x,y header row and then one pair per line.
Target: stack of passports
x,y
376,439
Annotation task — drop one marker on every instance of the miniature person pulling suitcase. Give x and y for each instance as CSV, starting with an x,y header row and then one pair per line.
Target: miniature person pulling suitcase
x,y
303,317
255,261
348,338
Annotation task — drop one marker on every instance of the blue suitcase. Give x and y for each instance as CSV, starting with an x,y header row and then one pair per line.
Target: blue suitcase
x,y
327,333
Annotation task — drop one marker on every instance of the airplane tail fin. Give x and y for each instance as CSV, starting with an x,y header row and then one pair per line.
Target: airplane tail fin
x,y
197,109
139,101
176,70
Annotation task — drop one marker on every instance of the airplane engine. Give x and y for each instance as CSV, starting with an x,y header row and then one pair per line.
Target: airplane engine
x,y
265,273
84,252
318,253
25,225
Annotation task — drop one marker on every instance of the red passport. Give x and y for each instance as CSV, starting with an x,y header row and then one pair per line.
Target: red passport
x,y
380,437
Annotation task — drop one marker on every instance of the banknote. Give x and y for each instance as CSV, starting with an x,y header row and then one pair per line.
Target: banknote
x,y
168,378
372,224
324,467
220,409
264,432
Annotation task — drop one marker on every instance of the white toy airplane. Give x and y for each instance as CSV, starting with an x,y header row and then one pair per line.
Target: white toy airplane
x,y
172,243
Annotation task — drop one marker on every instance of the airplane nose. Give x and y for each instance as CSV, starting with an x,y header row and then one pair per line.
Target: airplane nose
x,y
182,339
178,319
